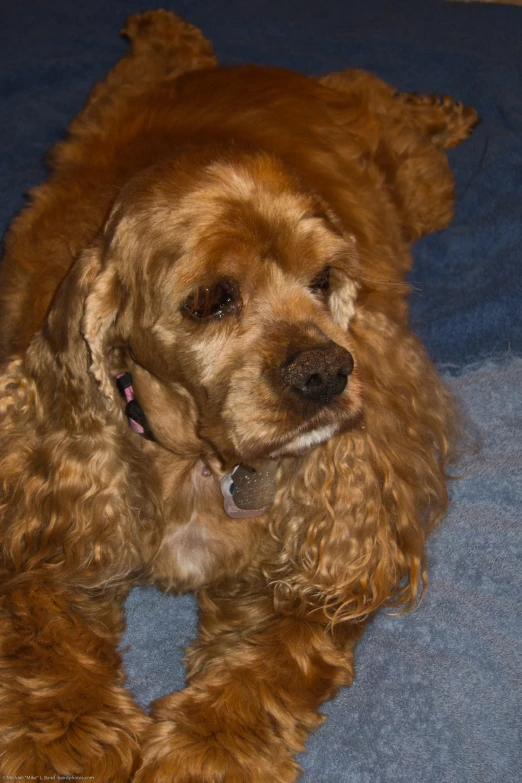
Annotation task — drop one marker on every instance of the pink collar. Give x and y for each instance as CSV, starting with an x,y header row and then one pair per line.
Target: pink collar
x,y
133,410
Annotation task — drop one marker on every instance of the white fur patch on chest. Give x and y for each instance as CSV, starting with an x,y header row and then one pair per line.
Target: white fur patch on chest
x,y
190,552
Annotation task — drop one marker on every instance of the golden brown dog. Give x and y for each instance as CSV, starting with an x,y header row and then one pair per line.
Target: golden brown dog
x,y
236,240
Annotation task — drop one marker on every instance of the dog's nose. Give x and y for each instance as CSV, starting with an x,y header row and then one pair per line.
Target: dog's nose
x,y
318,374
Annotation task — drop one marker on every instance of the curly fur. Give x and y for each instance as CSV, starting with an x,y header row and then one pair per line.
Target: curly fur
x,y
178,172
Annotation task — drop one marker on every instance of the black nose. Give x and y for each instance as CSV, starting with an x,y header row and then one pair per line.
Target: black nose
x,y
318,374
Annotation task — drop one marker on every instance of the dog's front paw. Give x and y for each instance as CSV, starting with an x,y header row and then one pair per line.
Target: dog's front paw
x,y
102,745
62,759
203,744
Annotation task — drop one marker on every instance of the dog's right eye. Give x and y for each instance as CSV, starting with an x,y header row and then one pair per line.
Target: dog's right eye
x,y
213,301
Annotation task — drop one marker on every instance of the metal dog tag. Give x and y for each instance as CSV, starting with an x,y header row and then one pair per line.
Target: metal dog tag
x,y
248,492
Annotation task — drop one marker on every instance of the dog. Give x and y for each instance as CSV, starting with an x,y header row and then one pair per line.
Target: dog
x,y
209,383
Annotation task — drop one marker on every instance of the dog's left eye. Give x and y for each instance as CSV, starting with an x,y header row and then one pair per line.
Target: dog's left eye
x,y
321,282
213,301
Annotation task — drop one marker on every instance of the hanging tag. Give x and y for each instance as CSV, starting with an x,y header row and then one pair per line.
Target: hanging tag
x,y
248,492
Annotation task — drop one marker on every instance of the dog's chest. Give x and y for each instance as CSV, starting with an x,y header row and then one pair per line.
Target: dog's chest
x,y
201,542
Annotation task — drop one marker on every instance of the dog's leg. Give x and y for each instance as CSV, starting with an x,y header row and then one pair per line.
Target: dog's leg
x,y
404,137
256,681
414,158
163,46
66,212
63,710
443,120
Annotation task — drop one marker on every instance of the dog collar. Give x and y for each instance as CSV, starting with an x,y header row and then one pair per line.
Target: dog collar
x,y
247,492
133,410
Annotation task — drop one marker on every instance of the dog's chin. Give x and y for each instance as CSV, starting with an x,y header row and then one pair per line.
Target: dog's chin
x,y
293,444
303,442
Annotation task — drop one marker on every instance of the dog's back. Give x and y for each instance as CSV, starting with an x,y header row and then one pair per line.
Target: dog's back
x,y
351,127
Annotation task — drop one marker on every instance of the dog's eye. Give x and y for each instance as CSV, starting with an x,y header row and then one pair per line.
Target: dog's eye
x,y
321,282
213,301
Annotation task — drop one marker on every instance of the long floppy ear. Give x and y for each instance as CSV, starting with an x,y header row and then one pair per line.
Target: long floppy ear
x,y
98,324
77,332
71,481
352,517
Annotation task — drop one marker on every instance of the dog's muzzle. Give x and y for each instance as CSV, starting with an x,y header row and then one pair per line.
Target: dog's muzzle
x,y
318,374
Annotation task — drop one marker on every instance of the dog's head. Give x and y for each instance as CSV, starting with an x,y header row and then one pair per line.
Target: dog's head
x,y
226,287
230,285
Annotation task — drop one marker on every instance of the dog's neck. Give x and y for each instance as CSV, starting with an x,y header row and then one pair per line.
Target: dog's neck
x,y
247,492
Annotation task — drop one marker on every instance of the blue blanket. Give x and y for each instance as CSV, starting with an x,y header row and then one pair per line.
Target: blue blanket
x,y
437,694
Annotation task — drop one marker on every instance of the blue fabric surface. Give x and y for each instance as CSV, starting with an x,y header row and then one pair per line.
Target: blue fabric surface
x,y
437,694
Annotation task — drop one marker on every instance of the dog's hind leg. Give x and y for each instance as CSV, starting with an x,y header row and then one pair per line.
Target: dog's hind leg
x,y
163,46
445,121
438,118
406,136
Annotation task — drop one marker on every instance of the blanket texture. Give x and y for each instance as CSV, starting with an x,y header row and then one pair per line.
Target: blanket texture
x,y
437,692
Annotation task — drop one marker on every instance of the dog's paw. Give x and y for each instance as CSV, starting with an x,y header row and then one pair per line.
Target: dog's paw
x,y
208,762
201,746
446,121
56,760
102,746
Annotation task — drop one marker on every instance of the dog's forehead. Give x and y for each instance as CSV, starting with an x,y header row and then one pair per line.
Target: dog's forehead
x,y
225,215
257,212
235,193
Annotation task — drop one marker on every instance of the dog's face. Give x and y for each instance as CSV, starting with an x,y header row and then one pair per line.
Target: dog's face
x,y
237,285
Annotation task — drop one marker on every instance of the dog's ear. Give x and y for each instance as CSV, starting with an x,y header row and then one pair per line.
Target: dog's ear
x,y
347,548
352,516
54,422
102,305
79,326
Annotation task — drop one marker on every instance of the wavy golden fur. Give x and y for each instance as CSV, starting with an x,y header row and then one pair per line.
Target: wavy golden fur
x,y
228,236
